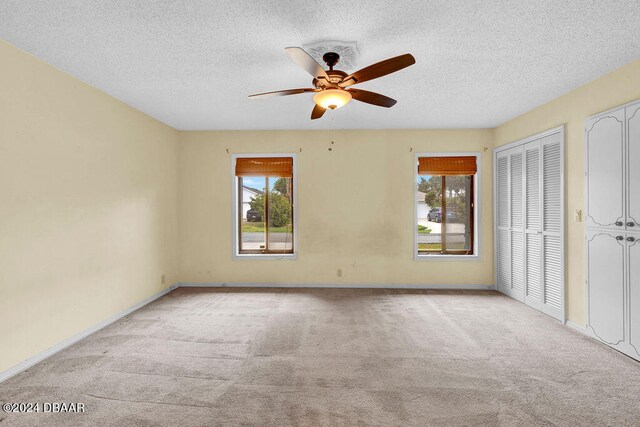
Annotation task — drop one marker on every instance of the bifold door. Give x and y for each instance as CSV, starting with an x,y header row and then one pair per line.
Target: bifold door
x,y
503,252
510,223
533,225
529,222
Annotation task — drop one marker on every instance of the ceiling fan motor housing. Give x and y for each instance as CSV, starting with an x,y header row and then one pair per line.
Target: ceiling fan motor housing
x,y
335,77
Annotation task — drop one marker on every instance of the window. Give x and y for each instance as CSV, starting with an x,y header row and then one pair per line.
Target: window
x,y
264,200
446,205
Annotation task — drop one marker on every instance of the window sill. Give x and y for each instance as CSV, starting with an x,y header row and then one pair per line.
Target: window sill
x,y
272,257
439,258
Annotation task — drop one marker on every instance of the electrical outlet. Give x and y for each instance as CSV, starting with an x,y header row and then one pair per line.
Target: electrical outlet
x,y
339,273
162,279
577,215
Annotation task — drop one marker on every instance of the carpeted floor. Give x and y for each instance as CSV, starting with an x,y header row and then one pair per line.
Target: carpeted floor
x,y
333,357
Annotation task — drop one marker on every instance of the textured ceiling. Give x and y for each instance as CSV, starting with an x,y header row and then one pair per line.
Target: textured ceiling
x,y
191,64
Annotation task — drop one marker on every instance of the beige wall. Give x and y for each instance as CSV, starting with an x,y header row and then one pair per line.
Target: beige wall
x,y
618,87
355,207
98,200
87,206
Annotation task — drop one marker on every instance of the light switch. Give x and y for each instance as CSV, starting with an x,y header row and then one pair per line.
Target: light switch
x,y
577,215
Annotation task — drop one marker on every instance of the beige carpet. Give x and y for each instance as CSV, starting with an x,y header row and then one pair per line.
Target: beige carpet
x,y
333,357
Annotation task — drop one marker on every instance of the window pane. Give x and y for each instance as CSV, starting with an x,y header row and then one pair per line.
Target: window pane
x,y
253,234
458,190
280,215
429,198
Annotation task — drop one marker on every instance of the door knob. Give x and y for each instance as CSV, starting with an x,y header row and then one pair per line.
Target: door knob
x,y
619,238
619,223
630,224
631,239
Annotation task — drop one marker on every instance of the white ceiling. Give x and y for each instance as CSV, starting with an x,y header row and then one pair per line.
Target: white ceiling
x,y
191,64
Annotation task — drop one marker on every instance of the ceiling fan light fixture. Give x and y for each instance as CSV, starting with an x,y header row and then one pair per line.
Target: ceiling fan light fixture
x,y
332,98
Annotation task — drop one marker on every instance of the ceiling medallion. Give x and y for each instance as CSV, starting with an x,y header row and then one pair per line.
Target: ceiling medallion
x,y
348,52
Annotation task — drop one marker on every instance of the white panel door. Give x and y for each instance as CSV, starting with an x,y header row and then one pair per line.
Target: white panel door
x,y
552,226
605,284
516,217
605,170
633,167
533,225
633,243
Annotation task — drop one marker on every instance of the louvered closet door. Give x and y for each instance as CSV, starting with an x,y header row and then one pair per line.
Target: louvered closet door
x,y
552,226
529,193
533,225
516,216
503,253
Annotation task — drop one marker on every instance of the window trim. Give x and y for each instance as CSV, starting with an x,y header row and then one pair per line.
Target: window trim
x,y
477,208
235,247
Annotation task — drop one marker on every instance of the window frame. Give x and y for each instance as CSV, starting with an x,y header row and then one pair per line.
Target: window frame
x,y
477,188
235,211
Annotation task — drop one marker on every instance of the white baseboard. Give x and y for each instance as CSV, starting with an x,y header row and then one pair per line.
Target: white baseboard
x,y
580,328
22,366
335,285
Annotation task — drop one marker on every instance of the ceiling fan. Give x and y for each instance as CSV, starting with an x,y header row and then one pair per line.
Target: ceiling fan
x,y
332,87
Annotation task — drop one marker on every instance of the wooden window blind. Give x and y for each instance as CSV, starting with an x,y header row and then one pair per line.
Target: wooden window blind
x,y
457,165
265,166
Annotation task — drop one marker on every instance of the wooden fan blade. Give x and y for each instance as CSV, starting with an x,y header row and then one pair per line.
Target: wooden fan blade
x,y
306,61
379,69
317,112
280,93
372,98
